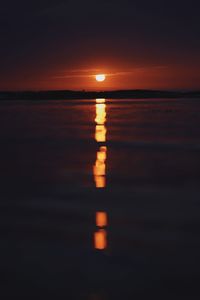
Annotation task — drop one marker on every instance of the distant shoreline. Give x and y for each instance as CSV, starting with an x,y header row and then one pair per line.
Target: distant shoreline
x,y
75,95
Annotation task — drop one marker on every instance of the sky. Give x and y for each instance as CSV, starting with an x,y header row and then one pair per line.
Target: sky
x,y
62,44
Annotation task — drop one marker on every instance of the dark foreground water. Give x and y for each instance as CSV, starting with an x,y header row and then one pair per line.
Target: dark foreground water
x,y
100,199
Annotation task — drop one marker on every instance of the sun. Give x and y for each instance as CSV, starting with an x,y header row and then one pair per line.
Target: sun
x,y
100,77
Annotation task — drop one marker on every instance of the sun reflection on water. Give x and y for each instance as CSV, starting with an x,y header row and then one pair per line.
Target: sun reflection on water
x,y
100,120
100,236
99,172
100,113
101,218
99,169
100,239
100,100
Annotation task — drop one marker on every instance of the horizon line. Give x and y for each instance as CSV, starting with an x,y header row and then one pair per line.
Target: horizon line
x,y
180,90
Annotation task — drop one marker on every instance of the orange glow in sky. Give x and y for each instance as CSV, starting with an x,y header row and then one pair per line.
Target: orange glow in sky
x,y
72,48
116,77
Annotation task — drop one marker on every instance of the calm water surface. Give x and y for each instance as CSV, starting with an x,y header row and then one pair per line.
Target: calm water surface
x,y
100,199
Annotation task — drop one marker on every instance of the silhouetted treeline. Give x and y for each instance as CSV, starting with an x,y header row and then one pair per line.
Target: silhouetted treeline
x,y
119,94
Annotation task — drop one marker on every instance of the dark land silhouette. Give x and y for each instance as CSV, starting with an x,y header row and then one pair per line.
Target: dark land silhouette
x,y
118,94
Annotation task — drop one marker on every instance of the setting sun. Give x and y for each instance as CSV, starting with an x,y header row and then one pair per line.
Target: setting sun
x,y
100,77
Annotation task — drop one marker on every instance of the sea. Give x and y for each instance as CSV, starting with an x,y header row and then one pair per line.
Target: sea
x,y
100,199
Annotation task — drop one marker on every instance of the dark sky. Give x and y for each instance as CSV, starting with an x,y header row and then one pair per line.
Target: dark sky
x,y
59,44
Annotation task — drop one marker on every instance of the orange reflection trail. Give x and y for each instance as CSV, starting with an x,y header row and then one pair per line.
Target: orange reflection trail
x,y
100,100
99,172
100,132
100,236
100,239
101,219
99,169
